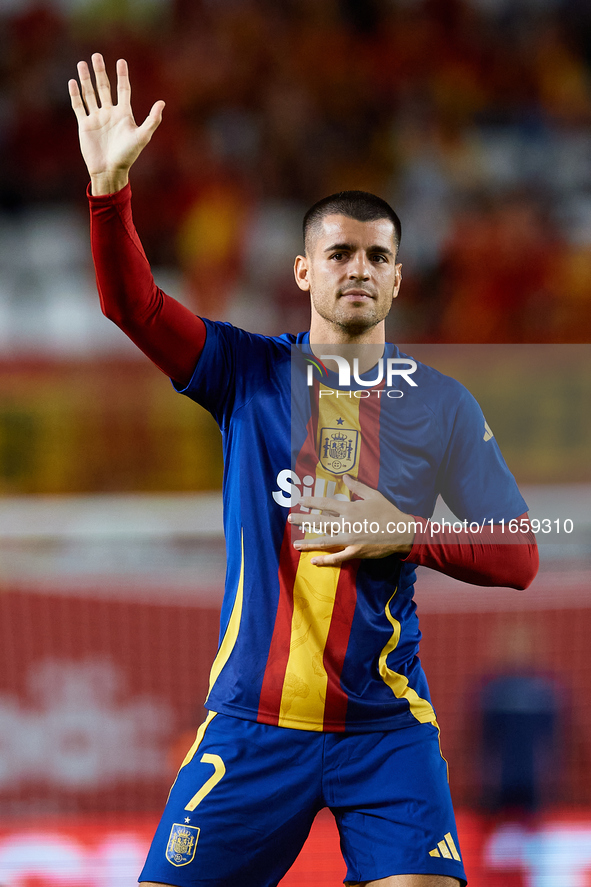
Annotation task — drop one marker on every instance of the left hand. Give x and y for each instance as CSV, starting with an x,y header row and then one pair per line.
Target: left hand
x,y
377,520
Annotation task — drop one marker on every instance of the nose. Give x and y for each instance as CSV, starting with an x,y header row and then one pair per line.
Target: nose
x,y
359,266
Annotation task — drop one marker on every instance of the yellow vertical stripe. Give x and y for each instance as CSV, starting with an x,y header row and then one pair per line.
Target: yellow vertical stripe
x,y
398,683
198,740
304,688
435,724
231,633
303,696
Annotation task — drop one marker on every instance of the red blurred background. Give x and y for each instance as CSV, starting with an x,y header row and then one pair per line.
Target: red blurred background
x,y
472,118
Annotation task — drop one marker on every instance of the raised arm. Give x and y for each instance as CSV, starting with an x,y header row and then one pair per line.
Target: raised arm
x,y
110,141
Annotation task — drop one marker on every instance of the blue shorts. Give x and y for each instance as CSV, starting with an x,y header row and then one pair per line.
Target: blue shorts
x,y
245,798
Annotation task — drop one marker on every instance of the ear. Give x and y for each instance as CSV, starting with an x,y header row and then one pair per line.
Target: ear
x,y
397,280
300,270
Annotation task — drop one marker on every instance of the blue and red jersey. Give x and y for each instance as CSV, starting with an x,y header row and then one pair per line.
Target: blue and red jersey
x,y
331,648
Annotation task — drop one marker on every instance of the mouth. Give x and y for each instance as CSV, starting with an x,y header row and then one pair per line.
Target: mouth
x,y
356,295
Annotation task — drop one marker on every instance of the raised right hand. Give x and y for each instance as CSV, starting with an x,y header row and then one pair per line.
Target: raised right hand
x,y
110,139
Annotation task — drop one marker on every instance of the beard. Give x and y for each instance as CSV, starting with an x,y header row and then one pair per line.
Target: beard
x,y
350,319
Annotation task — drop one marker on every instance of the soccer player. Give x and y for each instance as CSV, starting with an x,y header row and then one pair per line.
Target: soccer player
x,y
317,696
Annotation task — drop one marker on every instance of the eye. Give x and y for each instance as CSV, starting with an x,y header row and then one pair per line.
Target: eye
x,y
337,256
378,257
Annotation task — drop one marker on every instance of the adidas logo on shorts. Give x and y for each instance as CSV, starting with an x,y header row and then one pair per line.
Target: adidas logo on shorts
x,y
446,848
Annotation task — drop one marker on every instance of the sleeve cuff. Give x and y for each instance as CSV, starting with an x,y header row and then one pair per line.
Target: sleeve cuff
x,y
117,198
421,536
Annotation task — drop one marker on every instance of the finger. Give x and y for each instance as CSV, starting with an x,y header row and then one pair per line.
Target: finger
x,y
333,560
361,490
152,122
76,100
123,84
323,503
300,518
321,543
87,87
103,86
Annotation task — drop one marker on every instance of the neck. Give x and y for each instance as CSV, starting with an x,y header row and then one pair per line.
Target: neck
x,y
333,334
366,347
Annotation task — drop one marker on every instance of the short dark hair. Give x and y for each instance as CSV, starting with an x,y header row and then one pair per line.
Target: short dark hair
x,y
359,205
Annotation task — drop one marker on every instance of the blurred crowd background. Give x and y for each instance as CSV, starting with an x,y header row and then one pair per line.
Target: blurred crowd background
x,y
473,118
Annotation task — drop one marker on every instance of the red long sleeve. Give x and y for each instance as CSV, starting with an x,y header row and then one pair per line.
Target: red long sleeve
x,y
483,558
166,331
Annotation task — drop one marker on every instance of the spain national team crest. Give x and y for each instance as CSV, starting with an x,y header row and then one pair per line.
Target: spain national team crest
x,y
338,449
182,844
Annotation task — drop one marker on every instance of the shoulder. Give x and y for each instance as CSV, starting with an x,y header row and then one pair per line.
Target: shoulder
x,y
234,365
430,379
219,332
454,412
442,394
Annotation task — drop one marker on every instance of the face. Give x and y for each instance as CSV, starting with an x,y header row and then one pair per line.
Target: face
x,y
351,274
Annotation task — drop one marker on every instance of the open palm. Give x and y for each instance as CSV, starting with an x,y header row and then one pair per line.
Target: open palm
x,y
110,139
